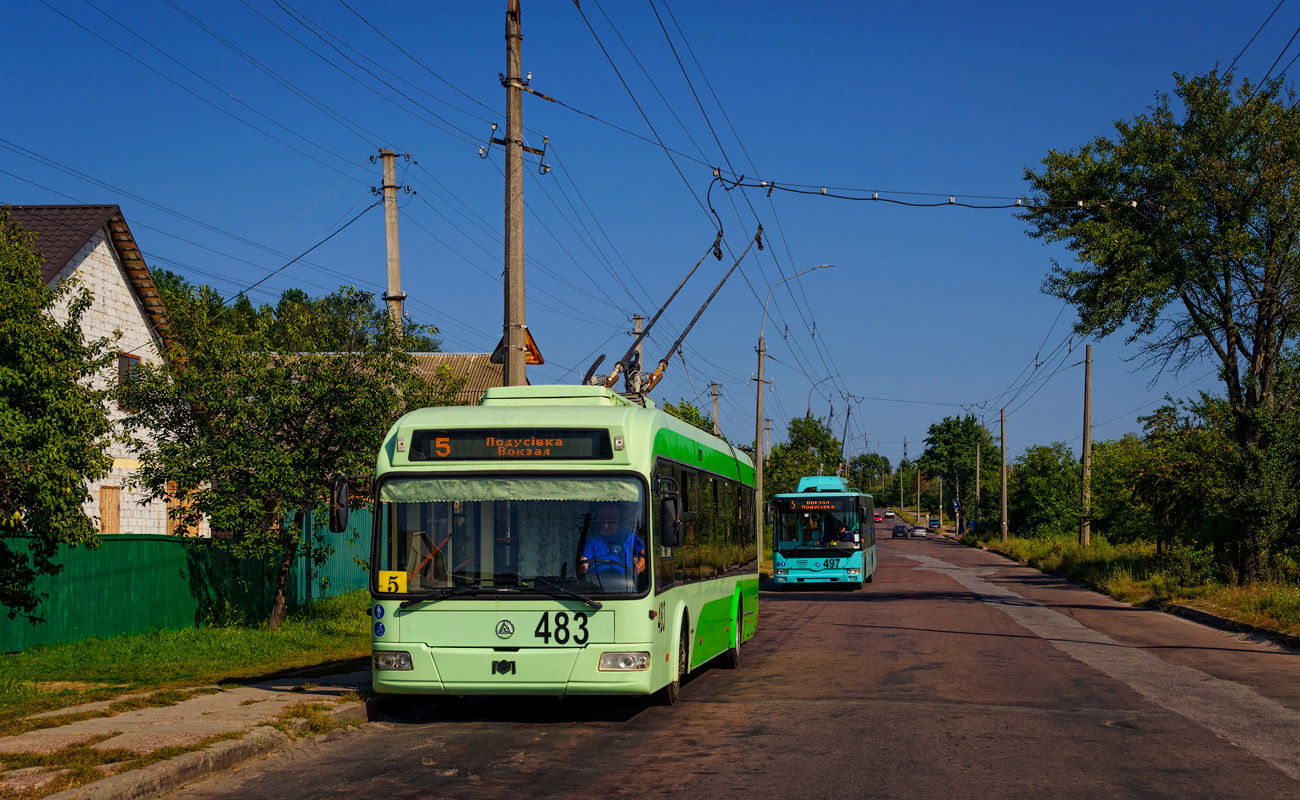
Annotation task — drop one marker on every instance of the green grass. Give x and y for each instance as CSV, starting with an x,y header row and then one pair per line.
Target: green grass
x,y
58,676
1133,573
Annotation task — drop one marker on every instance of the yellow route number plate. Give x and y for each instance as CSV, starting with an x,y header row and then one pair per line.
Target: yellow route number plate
x,y
392,582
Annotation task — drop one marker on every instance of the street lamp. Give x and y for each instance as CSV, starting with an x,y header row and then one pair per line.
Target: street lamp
x,y
808,414
758,416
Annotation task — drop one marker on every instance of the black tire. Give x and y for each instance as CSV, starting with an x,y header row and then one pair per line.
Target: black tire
x,y
667,696
731,658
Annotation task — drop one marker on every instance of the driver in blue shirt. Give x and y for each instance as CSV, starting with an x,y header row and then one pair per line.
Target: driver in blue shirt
x,y
615,549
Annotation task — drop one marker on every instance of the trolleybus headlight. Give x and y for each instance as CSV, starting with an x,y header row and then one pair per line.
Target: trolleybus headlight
x,y
781,571
392,659
853,570
624,662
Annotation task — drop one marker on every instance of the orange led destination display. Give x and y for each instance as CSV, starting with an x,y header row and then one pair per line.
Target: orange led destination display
x,y
817,503
511,444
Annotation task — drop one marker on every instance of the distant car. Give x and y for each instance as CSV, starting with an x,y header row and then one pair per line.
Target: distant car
x,y
935,524
889,512
879,518
919,530
900,532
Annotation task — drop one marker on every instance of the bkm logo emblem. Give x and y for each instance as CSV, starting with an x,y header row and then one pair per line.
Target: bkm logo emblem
x,y
504,629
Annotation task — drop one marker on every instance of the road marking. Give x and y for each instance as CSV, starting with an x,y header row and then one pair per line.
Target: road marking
x,y
1262,726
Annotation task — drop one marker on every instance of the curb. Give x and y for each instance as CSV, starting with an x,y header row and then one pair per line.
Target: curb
x,y
164,776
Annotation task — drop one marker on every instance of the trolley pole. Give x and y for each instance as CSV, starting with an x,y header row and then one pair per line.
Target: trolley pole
x,y
637,319
514,371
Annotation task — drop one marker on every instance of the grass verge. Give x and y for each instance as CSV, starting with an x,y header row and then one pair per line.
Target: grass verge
x,y
92,670
1135,574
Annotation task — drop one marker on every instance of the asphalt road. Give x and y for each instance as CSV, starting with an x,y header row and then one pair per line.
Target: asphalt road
x,y
956,674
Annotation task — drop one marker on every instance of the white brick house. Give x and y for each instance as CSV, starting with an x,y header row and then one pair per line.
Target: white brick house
x,y
94,244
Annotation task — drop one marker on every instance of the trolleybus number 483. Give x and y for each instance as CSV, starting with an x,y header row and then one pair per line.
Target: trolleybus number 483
x,y
560,631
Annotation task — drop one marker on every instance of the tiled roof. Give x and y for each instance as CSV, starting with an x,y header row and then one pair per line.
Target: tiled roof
x,y
477,368
61,232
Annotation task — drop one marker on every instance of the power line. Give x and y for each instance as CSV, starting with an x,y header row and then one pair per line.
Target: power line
x,y
1252,41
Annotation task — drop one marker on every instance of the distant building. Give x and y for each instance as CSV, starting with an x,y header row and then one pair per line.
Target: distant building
x,y
95,245
477,369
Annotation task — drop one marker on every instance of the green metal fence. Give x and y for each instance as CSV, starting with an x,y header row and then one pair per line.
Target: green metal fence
x,y
134,583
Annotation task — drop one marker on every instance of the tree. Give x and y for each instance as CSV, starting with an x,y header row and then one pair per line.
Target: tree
x,y
245,424
1043,492
688,412
54,423
1119,511
867,471
950,448
809,449
1185,226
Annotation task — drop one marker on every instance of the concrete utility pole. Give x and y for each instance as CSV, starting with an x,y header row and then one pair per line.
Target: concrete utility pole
x,y
394,297
941,500
1085,519
977,480
1003,415
715,408
514,372
768,428
918,492
637,319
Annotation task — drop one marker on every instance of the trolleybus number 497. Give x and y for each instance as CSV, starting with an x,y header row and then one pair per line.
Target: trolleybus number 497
x,y
560,631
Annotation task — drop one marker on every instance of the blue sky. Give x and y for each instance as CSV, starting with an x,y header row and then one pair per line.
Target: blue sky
x,y
928,312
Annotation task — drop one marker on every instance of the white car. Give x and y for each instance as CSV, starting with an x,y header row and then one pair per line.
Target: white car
x,y
919,531
889,512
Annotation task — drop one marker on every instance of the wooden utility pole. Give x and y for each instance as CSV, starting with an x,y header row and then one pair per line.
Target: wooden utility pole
x,y
394,297
715,408
1085,519
515,368
1003,415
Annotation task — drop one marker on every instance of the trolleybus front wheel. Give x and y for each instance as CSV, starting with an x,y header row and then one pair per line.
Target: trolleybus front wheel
x,y
668,695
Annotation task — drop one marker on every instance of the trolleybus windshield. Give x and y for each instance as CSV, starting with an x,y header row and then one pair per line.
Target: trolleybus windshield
x,y
818,522
489,536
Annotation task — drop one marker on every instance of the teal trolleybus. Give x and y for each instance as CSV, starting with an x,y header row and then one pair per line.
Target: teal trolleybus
x,y
557,540
825,534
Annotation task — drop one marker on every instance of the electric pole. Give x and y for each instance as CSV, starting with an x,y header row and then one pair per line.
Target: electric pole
x,y
1085,520
977,479
514,372
758,450
941,500
1003,415
635,375
768,428
715,408
394,297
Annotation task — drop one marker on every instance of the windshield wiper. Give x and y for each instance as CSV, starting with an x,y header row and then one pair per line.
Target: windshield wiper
x,y
563,592
444,593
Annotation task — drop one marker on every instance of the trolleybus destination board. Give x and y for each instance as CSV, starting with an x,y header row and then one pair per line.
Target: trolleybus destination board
x,y
511,444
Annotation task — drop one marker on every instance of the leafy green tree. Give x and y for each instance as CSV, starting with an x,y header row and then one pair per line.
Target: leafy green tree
x,y
1118,510
867,471
54,423
1186,229
1043,493
246,423
950,453
690,413
809,449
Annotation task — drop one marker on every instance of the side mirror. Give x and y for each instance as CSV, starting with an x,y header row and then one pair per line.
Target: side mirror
x,y
670,534
339,505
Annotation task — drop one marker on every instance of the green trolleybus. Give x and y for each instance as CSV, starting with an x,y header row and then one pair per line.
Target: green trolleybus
x,y
557,540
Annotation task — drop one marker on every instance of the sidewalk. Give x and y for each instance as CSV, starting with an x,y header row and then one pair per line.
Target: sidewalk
x,y
212,729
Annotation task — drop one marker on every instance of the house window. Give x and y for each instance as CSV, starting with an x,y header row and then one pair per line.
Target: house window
x,y
126,374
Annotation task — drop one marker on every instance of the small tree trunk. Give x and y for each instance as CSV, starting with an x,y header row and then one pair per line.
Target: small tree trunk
x,y
280,605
